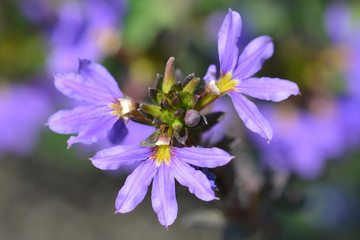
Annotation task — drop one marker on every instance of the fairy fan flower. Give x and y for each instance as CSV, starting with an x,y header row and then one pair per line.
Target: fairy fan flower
x,y
87,29
161,164
303,142
342,25
23,110
103,104
236,71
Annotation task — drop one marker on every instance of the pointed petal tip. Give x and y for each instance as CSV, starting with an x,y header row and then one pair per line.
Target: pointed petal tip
x,y
251,116
71,141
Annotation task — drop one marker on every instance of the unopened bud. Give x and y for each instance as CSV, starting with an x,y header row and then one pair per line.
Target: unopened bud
x,y
177,125
169,76
192,118
179,113
159,82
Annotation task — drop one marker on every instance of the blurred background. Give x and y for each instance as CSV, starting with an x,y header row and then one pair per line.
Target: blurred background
x,y
305,184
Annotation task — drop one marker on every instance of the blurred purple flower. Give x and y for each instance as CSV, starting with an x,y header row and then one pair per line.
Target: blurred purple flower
x,y
162,164
88,29
236,71
37,11
349,122
344,31
102,105
303,142
23,112
338,22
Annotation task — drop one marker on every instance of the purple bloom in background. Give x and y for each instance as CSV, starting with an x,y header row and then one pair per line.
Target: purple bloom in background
x,y
161,164
37,11
23,112
86,29
344,30
236,71
349,122
338,22
102,105
303,142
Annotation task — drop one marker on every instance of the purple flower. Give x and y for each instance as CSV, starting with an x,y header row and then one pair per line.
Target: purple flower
x,y
349,122
102,105
303,142
87,29
236,71
343,27
23,111
338,23
161,164
36,11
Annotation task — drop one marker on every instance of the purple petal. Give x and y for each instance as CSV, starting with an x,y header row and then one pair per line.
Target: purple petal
x,y
115,157
137,132
163,195
135,187
203,157
77,87
251,116
253,57
95,131
94,72
210,74
265,88
228,36
195,180
118,132
77,119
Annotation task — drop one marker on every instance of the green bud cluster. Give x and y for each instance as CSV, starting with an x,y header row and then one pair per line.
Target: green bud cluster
x,y
176,104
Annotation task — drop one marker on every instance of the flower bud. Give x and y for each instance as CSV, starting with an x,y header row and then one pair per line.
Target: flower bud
x,y
169,76
192,118
148,109
177,125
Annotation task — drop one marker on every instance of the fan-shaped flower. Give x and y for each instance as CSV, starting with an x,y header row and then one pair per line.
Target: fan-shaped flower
x,y
236,71
161,164
103,105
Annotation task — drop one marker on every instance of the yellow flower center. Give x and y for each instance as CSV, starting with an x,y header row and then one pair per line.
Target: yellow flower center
x,y
227,83
161,154
122,106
